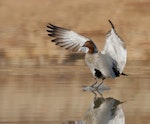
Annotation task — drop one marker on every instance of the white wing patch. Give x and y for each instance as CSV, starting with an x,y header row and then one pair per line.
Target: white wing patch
x,y
115,47
68,39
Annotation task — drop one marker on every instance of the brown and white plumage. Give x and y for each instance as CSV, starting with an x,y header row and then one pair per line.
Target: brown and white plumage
x,y
106,64
68,39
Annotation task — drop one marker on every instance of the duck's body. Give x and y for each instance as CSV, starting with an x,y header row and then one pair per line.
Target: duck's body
x,y
100,65
109,63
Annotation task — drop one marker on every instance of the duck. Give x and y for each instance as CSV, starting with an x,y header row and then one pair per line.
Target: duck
x,y
107,63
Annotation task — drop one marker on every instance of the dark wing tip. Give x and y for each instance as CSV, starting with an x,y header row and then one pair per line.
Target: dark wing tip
x,y
112,25
51,30
54,40
51,35
51,26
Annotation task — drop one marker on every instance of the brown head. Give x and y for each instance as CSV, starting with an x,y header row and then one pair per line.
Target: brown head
x,y
92,47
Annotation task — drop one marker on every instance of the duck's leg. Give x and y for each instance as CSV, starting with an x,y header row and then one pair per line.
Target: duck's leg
x,y
100,93
101,83
95,95
97,88
95,82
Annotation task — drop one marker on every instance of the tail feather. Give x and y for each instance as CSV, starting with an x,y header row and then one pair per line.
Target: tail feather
x,y
124,74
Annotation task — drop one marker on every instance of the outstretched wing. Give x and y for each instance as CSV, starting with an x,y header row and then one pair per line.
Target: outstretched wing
x,y
68,39
115,47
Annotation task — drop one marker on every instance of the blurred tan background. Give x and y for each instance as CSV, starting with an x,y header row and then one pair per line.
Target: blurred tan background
x,y
40,82
23,25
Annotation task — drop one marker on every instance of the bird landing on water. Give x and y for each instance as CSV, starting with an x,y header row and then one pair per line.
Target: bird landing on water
x,y
109,63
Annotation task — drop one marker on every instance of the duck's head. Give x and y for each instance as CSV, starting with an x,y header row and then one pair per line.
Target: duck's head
x,y
91,46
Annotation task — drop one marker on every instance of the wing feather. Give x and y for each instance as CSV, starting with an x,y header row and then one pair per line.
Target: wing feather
x,y
115,48
68,39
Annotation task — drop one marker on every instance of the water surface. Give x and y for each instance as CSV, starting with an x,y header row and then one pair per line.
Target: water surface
x,y
52,93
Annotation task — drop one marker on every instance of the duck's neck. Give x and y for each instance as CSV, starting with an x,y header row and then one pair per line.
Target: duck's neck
x,y
93,50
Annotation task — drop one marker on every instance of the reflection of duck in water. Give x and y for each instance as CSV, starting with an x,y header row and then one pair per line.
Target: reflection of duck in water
x,y
106,64
105,111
